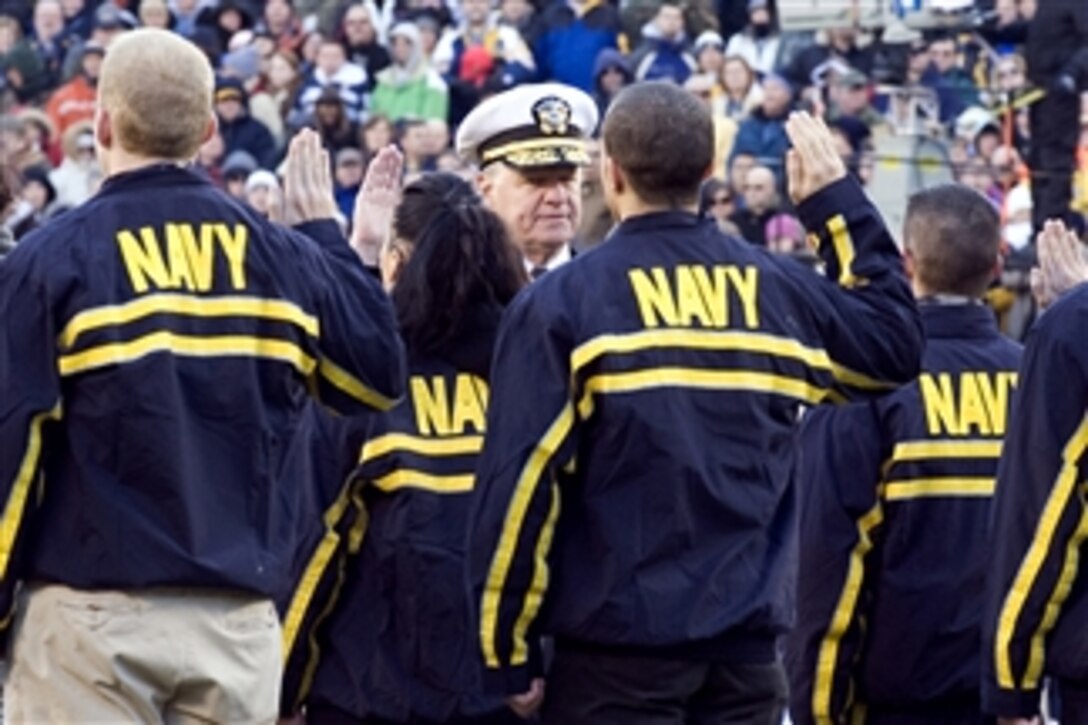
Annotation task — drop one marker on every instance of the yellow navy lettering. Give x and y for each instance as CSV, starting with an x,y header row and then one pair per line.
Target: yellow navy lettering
x,y
966,404
697,296
438,413
182,256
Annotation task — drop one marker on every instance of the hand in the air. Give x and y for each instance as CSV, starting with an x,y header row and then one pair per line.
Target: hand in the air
x,y
308,190
813,163
377,200
1061,264
526,704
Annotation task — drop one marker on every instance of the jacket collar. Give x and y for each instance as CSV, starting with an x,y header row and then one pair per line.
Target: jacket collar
x,y
959,320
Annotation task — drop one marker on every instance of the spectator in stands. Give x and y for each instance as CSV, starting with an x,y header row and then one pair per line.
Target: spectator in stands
x,y
413,142
1016,202
79,175
75,100
849,98
22,67
49,41
239,130
110,22
760,204
263,193
359,32
348,175
956,91
410,87
332,123
663,54
332,70
611,74
78,15
976,174
37,198
42,132
840,46
227,18
500,52
716,202
236,170
186,14
739,166
244,64
282,23
785,235
209,157
17,146
570,33
759,41
1009,74
763,133
377,133
156,14
709,54
851,138
430,23
283,83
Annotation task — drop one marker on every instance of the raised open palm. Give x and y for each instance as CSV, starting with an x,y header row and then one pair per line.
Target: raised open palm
x,y
377,200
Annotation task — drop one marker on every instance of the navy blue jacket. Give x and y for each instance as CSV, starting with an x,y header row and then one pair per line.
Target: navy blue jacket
x,y
896,503
1037,599
159,349
568,43
635,485
399,645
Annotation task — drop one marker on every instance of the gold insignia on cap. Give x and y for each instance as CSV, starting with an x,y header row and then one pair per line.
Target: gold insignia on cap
x,y
552,115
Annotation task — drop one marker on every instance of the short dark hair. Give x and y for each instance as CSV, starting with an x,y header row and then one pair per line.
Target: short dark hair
x,y
662,139
954,234
461,262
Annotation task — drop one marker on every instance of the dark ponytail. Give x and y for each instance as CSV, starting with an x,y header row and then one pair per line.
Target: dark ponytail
x,y
461,262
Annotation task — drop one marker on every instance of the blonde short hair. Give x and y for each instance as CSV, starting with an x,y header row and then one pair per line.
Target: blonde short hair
x,y
157,88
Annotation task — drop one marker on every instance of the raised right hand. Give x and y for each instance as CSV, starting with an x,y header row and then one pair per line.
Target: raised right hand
x,y
1061,263
813,163
376,202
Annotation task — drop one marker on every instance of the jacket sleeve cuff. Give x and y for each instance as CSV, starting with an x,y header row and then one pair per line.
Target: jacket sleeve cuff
x,y
325,232
1010,703
508,681
841,197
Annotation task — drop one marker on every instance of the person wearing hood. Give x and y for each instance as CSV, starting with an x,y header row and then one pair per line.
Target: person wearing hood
x,y
359,33
758,42
240,130
663,55
23,70
236,171
227,18
611,74
76,179
75,100
36,201
245,65
332,70
410,88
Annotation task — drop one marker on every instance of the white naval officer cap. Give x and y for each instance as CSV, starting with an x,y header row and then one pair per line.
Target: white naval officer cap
x,y
530,126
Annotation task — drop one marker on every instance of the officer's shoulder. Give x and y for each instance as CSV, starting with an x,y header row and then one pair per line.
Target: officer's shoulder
x,y
59,233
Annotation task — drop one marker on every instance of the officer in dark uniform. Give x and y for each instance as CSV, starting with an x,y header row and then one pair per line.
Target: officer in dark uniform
x,y
634,496
160,346
1036,607
399,647
896,500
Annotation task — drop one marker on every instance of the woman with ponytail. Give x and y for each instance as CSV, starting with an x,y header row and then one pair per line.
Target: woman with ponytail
x,y
399,647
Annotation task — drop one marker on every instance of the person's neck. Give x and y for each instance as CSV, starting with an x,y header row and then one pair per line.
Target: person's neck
x,y
119,162
538,255
633,207
476,30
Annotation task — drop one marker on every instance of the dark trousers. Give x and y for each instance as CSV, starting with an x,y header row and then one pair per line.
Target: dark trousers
x,y
606,688
1053,155
330,715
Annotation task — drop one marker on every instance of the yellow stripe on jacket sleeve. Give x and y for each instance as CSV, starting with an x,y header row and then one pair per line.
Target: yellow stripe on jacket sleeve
x,y
15,508
315,570
926,449
511,530
535,596
409,478
843,245
175,304
354,387
828,658
1024,582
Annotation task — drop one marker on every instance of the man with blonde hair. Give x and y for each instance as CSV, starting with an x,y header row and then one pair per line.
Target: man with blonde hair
x,y
159,348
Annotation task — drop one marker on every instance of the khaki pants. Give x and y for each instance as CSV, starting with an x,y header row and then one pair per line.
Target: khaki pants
x,y
155,656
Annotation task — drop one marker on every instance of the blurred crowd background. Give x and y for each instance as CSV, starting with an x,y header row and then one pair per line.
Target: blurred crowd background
x,y
907,105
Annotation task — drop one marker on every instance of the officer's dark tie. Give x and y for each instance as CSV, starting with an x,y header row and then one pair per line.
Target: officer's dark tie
x,y
537,272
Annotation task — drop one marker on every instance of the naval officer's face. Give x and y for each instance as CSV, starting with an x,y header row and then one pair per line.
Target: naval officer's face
x,y
541,208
